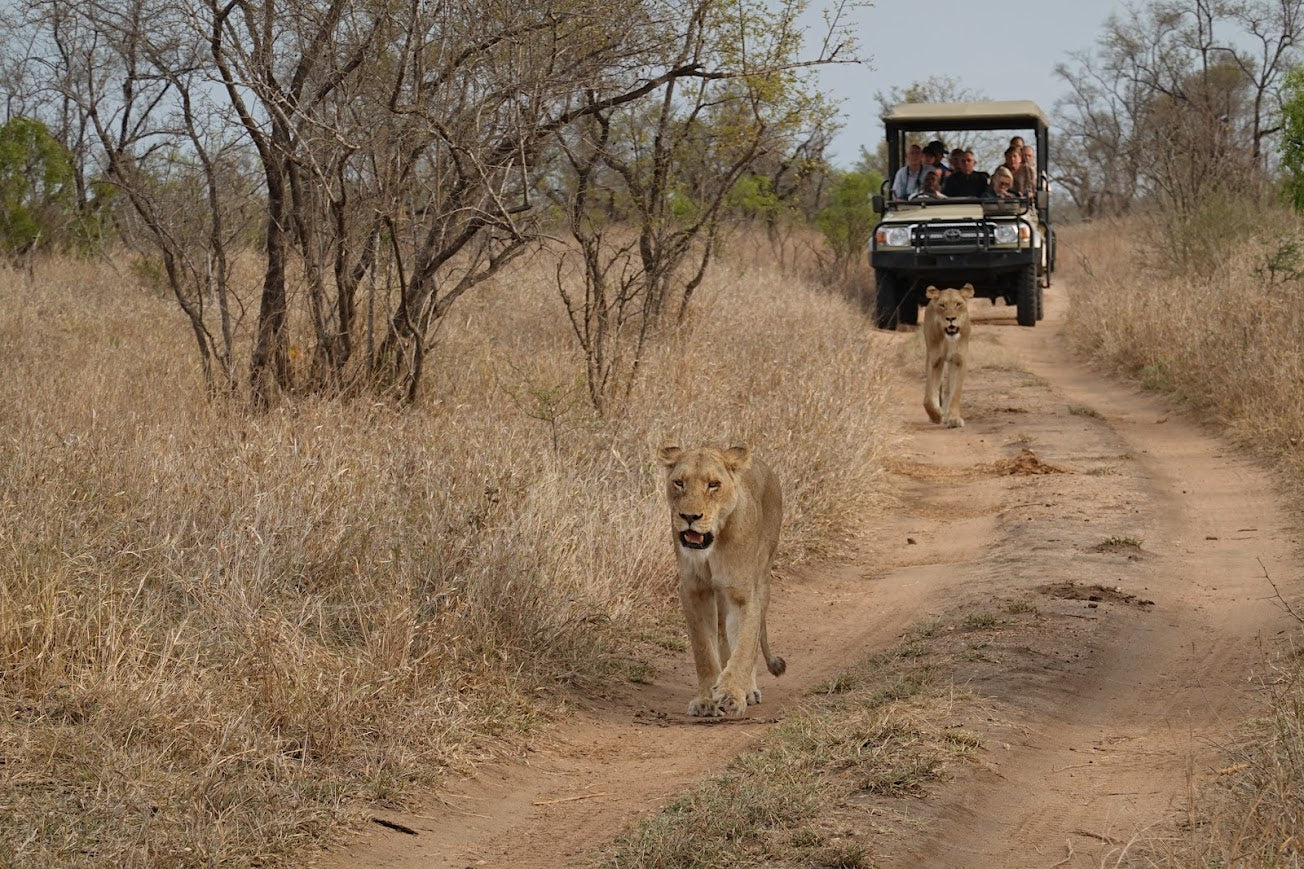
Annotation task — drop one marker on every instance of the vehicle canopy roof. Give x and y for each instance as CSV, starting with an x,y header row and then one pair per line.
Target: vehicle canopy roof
x,y
981,115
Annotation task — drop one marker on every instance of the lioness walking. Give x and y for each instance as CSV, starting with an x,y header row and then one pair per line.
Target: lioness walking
x,y
726,508
946,339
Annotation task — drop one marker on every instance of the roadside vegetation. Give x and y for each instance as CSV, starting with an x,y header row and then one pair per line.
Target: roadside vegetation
x,y
1222,338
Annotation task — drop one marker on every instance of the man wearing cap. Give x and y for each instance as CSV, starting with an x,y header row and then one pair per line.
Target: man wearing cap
x,y
934,154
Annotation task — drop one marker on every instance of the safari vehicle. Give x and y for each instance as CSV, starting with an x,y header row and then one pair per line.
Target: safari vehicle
x,y
1004,247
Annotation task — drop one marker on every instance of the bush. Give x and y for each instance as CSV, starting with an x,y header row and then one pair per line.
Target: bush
x,y
37,191
849,219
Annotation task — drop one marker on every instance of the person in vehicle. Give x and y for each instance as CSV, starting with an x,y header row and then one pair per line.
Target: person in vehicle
x,y
1023,182
932,186
999,187
1010,154
1030,167
964,181
910,176
934,155
957,155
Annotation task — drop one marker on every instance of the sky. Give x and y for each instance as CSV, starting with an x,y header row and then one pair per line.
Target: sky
x,y
1003,51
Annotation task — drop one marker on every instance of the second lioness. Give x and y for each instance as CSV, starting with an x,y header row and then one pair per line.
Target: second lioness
x,y
946,340
726,509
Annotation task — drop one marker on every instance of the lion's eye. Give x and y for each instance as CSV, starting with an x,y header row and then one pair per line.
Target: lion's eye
x,y
679,484
712,485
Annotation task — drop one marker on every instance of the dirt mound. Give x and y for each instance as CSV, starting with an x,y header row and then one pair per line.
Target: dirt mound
x,y
1024,464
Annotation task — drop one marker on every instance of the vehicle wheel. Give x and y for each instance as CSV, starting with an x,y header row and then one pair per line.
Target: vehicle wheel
x,y
907,307
1025,296
886,301
1048,258
1041,302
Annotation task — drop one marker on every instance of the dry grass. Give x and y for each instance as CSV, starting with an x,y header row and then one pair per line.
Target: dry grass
x,y
1225,339
1252,814
221,633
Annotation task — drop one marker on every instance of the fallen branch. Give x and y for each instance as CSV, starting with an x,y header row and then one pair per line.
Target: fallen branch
x,y
394,825
1277,592
1090,835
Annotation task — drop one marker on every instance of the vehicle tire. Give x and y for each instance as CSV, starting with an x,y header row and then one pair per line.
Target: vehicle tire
x,y
1025,296
907,306
1048,257
1041,302
886,301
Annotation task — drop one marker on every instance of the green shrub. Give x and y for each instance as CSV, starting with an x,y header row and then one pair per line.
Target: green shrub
x,y
37,190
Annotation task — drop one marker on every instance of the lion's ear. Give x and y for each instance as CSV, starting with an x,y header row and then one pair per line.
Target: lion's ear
x,y
931,292
737,458
669,455
967,291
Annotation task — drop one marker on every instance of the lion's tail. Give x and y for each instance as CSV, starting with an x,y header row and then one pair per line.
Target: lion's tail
x,y
773,663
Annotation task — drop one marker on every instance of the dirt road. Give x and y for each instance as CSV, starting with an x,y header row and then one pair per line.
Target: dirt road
x,y
1148,560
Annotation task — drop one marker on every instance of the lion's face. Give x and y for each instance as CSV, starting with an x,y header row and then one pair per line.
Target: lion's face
x,y
951,307
702,490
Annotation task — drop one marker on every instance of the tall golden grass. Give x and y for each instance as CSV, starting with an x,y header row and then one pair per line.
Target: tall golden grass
x,y
1227,338
222,632
1222,337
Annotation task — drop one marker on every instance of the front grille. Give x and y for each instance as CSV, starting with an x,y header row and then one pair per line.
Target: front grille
x,y
939,237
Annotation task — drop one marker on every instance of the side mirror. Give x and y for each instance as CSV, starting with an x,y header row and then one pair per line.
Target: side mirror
x,y
1043,199
877,202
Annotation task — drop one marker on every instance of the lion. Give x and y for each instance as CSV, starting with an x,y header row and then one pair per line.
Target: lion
x,y
946,338
726,508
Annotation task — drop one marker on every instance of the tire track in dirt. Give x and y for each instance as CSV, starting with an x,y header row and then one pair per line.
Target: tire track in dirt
x,y
1093,729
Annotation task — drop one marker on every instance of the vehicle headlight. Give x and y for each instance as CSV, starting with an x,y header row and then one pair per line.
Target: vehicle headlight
x,y
1006,233
893,236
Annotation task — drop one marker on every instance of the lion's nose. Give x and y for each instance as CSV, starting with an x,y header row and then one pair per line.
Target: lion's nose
x,y
690,518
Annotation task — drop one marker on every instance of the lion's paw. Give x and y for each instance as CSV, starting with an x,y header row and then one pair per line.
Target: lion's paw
x,y
933,413
729,703
754,697
704,707
955,422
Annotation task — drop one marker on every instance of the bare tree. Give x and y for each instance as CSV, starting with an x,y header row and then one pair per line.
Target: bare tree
x,y
1099,161
671,163
284,92
122,76
1176,103
1272,28
609,318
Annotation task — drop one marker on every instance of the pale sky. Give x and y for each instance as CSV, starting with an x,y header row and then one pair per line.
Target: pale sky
x,y
1005,51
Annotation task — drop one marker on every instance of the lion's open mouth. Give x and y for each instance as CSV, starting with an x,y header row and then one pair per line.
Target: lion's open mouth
x,y
952,329
691,539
